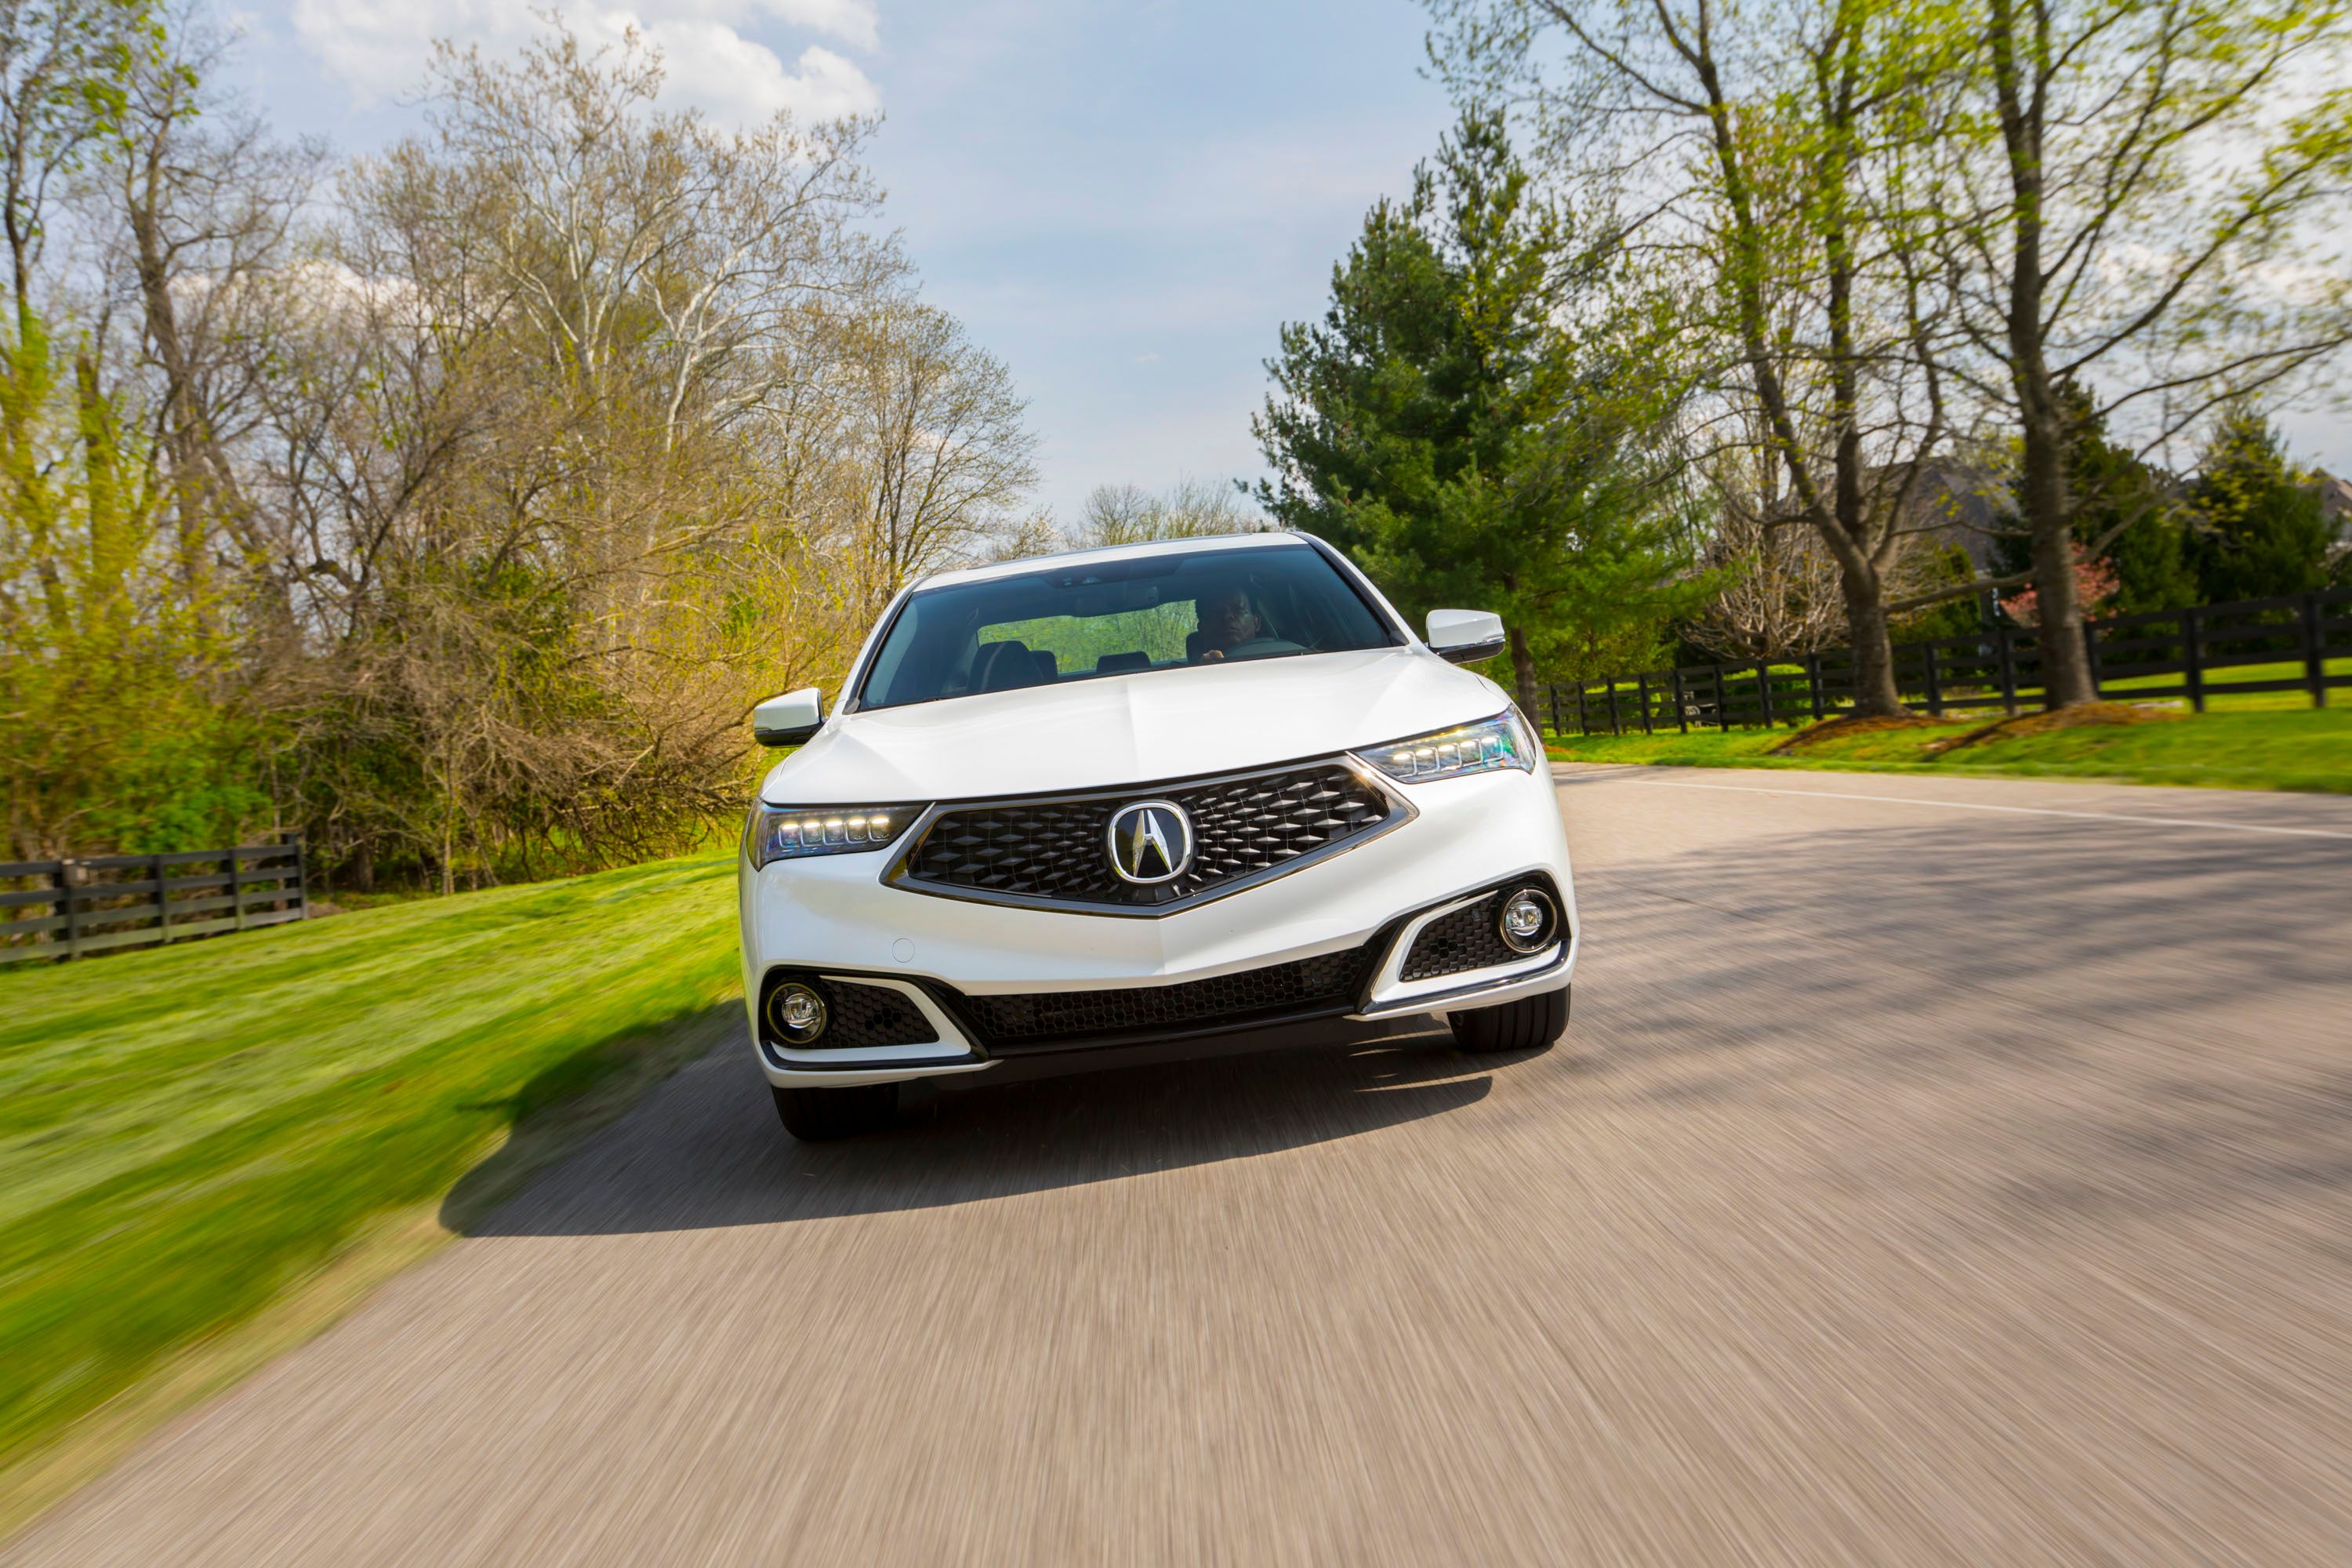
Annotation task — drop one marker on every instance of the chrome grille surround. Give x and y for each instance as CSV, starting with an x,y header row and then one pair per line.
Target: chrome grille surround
x,y
1048,852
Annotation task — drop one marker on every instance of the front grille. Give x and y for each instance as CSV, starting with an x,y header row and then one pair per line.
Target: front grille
x,y
1054,851
1467,939
1304,987
872,1016
1470,938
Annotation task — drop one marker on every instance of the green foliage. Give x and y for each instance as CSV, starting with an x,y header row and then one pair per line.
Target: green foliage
x,y
2120,508
289,1087
1465,419
2260,529
1949,567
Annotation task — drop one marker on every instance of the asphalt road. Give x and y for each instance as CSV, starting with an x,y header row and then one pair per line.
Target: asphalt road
x,y
1916,1182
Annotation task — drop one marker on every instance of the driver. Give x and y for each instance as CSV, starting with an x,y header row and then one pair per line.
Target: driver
x,y
1228,619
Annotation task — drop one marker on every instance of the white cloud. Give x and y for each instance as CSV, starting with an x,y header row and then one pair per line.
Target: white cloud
x,y
379,47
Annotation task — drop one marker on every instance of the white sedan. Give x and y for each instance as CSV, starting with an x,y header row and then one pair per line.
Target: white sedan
x,y
1188,797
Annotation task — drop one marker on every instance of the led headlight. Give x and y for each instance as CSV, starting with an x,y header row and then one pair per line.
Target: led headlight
x,y
1502,742
795,832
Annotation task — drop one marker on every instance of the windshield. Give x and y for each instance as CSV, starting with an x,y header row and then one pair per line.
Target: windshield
x,y
1079,619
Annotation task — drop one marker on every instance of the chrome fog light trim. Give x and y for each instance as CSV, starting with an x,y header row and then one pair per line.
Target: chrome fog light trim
x,y
796,1013
1529,920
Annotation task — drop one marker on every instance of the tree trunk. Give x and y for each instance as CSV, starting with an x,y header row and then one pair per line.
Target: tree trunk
x,y
1523,674
2058,631
1875,695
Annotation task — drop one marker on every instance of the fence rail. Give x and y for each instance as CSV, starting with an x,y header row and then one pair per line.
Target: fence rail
x,y
1996,669
68,909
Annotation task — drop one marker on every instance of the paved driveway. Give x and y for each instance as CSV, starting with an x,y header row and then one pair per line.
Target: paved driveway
x,y
1934,1171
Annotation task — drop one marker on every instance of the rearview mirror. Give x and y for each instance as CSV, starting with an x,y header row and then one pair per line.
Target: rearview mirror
x,y
1465,637
789,720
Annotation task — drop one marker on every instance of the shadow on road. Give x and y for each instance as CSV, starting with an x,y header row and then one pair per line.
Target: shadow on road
x,y
705,1149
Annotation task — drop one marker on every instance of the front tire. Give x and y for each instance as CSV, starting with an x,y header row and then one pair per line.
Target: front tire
x,y
1528,1024
822,1115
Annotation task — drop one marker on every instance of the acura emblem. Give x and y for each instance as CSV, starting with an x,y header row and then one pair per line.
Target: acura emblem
x,y
1151,841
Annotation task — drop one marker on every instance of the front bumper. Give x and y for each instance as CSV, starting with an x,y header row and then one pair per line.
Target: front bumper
x,y
832,917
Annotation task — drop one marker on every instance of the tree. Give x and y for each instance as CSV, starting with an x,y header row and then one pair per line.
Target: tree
x,y
1462,423
1189,508
1770,151
2260,532
2125,525
2148,213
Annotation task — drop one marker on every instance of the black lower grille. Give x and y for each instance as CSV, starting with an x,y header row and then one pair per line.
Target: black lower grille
x,y
856,1016
1055,851
1039,1019
874,1016
1468,939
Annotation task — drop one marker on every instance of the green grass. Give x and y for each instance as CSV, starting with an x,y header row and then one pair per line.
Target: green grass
x,y
189,1134
2296,749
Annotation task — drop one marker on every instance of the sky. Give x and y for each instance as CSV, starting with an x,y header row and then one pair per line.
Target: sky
x,y
1122,200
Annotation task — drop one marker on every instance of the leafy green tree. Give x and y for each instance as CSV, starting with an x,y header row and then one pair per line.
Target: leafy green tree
x,y
2260,529
1444,426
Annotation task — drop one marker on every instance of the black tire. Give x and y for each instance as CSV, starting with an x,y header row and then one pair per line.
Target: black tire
x,y
1527,1024
820,1115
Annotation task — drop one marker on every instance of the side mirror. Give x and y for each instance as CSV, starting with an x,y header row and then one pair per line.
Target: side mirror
x,y
789,720
1465,637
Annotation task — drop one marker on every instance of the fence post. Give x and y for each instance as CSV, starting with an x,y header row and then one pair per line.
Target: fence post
x,y
236,886
1584,719
1681,707
1551,693
2192,658
2008,668
2090,657
1813,683
162,909
301,874
1722,707
64,878
1764,691
2314,650
1642,685
1934,683
1615,727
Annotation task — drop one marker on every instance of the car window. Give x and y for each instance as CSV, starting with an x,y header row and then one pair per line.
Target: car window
x,y
1080,618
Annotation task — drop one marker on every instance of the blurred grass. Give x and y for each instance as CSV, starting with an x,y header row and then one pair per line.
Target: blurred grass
x,y
188,1133
2308,749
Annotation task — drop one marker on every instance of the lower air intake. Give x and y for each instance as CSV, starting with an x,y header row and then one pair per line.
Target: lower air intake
x,y
1043,1020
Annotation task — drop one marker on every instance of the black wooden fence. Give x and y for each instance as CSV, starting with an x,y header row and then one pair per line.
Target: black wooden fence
x,y
65,908
1996,669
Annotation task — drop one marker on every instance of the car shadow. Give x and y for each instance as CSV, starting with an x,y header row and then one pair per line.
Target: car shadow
x,y
704,1150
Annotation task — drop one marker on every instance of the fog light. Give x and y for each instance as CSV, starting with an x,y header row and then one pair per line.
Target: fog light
x,y
1528,922
796,1014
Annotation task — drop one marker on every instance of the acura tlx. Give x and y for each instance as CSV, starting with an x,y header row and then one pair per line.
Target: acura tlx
x,y
1181,798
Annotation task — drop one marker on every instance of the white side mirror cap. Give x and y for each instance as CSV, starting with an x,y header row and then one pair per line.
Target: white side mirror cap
x,y
789,720
1465,637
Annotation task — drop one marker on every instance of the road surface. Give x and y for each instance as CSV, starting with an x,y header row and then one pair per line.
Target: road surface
x,y
1934,1171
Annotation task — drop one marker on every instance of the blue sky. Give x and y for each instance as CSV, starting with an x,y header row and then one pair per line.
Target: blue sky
x,y
1122,201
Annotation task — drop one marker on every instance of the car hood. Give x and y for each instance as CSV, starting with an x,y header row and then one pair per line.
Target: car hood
x,y
1131,728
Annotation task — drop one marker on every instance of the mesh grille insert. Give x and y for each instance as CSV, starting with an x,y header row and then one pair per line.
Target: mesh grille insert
x,y
1053,851
1468,939
1033,1020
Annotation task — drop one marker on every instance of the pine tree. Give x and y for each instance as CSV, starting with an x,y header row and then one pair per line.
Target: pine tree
x,y
1440,426
2260,529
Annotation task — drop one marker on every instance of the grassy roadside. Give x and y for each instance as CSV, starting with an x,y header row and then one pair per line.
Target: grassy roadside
x,y
2305,749
206,1151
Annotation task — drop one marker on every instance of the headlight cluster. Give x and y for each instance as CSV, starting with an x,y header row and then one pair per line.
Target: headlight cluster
x,y
1502,742
795,832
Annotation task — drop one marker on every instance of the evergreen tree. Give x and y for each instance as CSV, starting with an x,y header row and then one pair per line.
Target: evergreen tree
x,y
2260,529
1441,427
